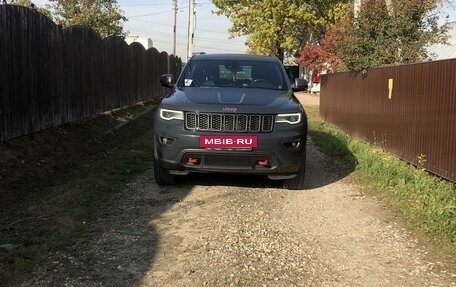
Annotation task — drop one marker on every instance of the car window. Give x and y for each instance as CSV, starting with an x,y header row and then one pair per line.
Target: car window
x,y
232,73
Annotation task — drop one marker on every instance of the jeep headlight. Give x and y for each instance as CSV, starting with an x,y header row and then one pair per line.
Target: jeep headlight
x,y
171,115
291,119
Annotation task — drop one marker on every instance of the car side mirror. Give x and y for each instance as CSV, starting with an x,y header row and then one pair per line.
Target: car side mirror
x,y
299,85
167,80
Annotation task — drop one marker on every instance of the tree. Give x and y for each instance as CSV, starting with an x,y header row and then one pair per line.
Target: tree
x,y
280,26
30,4
103,16
384,33
323,56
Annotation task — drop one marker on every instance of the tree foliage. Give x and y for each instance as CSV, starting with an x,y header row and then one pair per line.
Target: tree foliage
x,y
323,56
30,4
277,27
104,16
384,33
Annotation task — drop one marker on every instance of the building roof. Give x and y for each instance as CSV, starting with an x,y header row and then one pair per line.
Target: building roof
x,y
440,51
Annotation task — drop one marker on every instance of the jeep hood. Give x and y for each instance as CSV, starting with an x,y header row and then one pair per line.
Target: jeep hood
x,y
238,97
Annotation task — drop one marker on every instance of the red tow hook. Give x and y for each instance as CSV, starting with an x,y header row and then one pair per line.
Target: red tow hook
x,y
263,162
193,160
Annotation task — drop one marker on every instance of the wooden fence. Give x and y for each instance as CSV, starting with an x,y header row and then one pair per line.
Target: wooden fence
x,y
50,76
409,110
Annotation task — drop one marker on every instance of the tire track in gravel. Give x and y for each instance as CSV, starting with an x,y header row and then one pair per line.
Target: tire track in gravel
x,y
219,230
331,235
245,231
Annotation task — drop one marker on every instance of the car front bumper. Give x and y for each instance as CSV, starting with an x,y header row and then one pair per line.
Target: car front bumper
x,y
278,154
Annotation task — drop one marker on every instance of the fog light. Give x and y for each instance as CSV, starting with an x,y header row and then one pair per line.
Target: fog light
x,y
166,140
296,144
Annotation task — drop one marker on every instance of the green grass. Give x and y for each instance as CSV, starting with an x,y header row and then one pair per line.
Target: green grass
x,y
63,215
427,203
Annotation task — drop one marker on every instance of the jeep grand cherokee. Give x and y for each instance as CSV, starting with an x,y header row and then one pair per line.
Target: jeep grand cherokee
x,y
230,113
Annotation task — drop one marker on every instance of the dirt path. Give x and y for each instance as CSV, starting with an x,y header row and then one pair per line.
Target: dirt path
x,y
308,99
246,231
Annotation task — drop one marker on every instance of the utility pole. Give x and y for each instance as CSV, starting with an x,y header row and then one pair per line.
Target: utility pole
x,y
357,6
174,27
191,18
389,7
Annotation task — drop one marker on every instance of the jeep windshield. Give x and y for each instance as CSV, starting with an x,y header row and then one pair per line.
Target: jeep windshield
x,y
233,73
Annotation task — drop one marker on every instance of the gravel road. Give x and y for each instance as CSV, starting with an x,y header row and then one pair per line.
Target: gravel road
x,y
247,231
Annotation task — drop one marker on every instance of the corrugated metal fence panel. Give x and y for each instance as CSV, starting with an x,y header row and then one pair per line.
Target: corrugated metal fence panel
x,y
419,119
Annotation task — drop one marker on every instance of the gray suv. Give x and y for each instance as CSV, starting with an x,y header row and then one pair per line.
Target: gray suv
x,y
230,113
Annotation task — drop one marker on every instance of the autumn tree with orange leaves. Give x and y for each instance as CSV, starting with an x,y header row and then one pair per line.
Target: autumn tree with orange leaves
x,y
278,27
380,35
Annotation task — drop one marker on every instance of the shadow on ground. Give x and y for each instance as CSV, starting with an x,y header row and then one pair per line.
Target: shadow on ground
x,y
68,217
328,163
118,246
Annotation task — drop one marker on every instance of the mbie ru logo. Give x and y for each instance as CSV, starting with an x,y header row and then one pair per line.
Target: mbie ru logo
x,y
228,141
237,141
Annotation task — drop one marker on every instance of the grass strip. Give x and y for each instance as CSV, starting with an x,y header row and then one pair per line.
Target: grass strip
x,y
64,214
426,202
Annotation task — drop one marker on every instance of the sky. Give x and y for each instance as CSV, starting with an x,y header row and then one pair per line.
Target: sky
x,y
154,19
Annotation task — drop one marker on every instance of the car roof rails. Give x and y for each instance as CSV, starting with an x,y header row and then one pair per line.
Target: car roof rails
x,y
197,53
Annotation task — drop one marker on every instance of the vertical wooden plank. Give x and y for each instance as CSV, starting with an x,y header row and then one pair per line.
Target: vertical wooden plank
x,y
5,68
50,76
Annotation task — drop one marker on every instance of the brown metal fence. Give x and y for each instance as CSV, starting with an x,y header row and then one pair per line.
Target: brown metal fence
x,y
418,119
49,76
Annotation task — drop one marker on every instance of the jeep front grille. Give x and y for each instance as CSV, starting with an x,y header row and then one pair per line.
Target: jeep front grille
x,y
239,123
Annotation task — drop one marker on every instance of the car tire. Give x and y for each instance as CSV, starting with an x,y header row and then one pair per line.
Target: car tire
x,y
297,182
162,177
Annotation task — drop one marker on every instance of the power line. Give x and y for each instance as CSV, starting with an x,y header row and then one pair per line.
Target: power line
x,y
219,44
220,41
164,38
179,26
152,14
138,5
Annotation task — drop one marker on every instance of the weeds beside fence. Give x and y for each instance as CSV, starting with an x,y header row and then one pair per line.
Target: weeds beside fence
x,y
427,203
416,120
50,76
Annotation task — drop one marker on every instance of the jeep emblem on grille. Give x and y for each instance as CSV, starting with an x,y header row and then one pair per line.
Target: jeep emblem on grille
x,y
228,109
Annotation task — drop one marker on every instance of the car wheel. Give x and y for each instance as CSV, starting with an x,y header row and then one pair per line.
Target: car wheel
x,y
298,181
162,177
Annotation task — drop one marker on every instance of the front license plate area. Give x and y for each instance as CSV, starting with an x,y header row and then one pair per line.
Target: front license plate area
x,y
231,142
